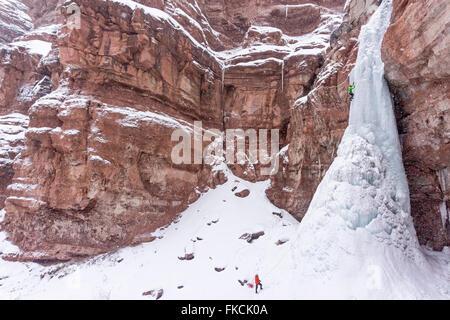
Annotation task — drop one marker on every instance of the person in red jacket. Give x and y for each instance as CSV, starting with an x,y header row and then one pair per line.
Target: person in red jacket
x,y
257,283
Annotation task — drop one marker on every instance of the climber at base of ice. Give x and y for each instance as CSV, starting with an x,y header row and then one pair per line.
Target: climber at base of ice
x,y
350,90
257,284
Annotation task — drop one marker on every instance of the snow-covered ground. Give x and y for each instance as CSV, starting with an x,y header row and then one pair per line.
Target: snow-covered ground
x,y
39,47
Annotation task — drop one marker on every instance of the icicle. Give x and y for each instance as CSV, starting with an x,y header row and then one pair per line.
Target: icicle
x,y
320,168
224,67
441,179
223,76
282,75
287,7
443,206
444,213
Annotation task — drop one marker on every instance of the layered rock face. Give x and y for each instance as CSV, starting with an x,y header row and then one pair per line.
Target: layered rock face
x,y
95,176
416,55
14,20
44,12
24,78
96,171
12,136
26,68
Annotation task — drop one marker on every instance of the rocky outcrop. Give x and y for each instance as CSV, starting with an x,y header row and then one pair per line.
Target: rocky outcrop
x,y
20,85
44,12
22,78
96,171
93,176
25,78
415,52
27,71
27,64
12,136
14,20
292,17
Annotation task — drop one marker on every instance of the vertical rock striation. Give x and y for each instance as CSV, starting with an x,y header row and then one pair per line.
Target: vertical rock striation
x,y
416,53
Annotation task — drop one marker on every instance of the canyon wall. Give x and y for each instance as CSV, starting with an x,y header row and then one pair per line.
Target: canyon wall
x,y
85,165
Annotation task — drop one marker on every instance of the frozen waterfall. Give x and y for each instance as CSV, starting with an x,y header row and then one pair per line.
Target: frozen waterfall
x,y
358,233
